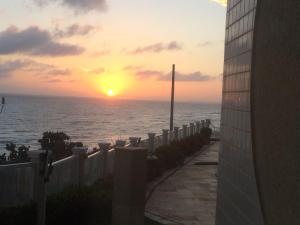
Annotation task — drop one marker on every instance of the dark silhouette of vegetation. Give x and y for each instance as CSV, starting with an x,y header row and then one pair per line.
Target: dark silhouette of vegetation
x,y
173,155
16,155
88,205
59,143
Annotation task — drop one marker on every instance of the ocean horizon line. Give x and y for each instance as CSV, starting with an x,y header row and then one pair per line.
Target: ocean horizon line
x,y
106,99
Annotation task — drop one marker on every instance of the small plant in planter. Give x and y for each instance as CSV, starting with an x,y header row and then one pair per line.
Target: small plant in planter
x,y
16,155
59,143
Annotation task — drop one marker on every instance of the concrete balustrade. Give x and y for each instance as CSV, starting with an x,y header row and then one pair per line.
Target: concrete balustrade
x,y
134,141
176,134
104,147
207,123
16,184
202,123
165,136
151,143
129,186
120,143
19,181
184,131
198,127
40,161
81,153
192,129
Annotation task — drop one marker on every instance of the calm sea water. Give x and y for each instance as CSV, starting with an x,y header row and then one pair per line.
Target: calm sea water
x,y
25,118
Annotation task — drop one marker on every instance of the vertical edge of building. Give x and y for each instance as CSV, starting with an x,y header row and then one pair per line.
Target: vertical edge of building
x,y
259,167
275,108
238,201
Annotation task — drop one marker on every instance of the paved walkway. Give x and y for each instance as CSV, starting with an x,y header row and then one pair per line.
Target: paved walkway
x,y
189,196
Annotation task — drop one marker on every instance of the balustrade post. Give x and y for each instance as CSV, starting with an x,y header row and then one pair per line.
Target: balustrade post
x,y
176,133
165,136
120,143
198,127
202,123
151,141
104,147
40,160
192,129
184,131
129,186
134,141
81,153
207,123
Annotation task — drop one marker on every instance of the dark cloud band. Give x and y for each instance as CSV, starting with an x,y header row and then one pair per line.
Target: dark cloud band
x,y
157,48
78,6
34,41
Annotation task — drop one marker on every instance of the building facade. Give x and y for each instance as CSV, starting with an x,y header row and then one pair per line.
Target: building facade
x,y
259,166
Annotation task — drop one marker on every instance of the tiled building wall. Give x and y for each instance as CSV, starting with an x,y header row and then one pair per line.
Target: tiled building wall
x,y
238,201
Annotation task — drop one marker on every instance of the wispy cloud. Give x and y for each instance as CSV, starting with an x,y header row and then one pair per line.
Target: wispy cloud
x,y
54,81
75,30
46,71
205,44
78,6
195,77
145,74
157,48
34,41
97,71
7,68
141,73
101,53
221,2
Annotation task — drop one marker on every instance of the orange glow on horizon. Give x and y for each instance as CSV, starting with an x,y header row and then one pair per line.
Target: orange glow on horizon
x,y
113,84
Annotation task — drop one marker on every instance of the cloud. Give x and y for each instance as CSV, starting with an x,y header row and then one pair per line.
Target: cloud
x,y
132,68
78,6
141,73
101,53
97,71
145,74
7,68
221,2
195,77
46,71
157,48
34,41
54,81
205,44
74,30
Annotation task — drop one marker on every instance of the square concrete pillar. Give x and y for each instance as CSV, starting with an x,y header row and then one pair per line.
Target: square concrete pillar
x,y
129,186
40,159
81,153
165,135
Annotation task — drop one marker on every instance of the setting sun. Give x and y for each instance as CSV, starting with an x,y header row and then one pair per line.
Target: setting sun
x,y
110,93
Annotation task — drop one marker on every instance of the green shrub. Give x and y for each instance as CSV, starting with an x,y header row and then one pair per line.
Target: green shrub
x,y
89,205
86,205
173,155
58,143
16,155
19,215
206,133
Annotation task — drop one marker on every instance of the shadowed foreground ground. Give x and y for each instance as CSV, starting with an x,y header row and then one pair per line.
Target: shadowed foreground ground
x,y
189,196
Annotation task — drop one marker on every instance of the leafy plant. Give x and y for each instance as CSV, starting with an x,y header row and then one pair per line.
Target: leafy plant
x,y
16,155
58,143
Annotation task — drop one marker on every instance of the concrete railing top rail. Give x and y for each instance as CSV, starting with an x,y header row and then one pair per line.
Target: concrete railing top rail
x,y
16,165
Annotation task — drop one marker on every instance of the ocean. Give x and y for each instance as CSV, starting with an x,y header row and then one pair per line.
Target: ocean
x,y
88,120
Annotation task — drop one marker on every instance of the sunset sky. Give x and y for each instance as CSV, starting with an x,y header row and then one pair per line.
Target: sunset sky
x,y
112,48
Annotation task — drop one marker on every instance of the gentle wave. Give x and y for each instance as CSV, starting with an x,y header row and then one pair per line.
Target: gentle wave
x,y
25,118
